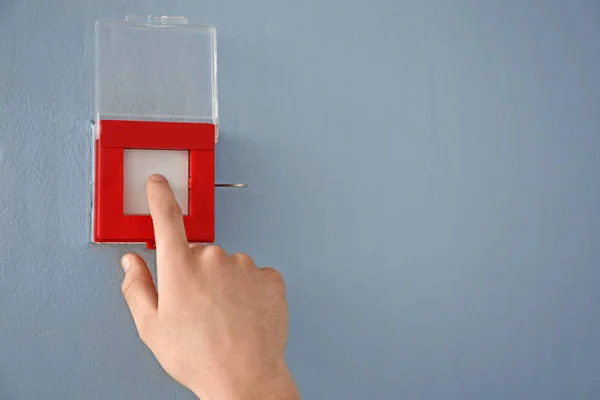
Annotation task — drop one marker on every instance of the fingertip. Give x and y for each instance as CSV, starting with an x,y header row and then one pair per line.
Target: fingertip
x,y
157,178
131,259
126,262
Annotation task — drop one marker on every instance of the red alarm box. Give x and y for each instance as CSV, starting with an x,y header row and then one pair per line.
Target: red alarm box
x,y
156,112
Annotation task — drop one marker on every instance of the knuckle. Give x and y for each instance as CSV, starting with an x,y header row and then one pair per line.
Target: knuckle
x,y
243,259
196,248
213,252
274,276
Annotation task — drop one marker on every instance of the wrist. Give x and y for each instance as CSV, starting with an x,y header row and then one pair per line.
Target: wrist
x,y
278,384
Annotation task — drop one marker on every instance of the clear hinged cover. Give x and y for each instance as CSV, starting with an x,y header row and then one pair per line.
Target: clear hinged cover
x,y
157,69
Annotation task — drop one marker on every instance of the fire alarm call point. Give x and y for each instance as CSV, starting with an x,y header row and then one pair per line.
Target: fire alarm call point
x,y
156,112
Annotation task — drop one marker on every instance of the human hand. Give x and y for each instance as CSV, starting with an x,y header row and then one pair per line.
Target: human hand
x,y
218,324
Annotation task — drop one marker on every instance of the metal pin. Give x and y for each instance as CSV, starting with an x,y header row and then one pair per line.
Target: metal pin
x,y
231,185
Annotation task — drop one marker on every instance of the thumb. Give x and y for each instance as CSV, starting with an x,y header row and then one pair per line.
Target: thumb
x,y
140,294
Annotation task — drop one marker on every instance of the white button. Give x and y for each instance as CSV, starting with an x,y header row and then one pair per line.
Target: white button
x,y
138,165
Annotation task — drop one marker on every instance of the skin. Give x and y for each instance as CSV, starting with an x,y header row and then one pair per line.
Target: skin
x,y
216,323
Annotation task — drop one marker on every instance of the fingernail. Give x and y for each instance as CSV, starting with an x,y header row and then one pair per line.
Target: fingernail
x,y
157,178
126,263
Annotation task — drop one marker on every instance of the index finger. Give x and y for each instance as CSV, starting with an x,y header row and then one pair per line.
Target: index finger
x,y
167,218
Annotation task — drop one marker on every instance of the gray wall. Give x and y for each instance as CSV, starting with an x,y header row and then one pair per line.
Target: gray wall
x,y
425,175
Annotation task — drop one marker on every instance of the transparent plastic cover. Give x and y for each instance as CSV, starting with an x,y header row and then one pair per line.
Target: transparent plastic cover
x,y
159,69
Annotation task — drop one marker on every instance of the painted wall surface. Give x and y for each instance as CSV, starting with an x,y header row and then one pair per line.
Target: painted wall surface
x,y
426,175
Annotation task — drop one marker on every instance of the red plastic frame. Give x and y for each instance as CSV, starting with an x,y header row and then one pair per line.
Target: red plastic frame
x,y
110,223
